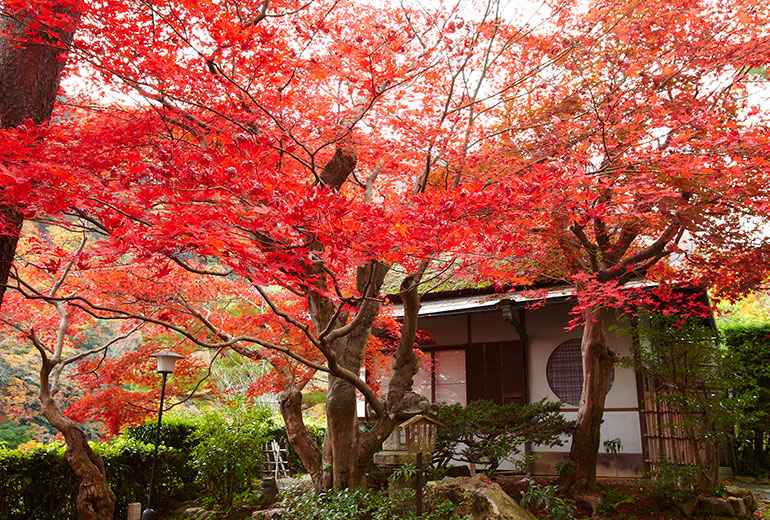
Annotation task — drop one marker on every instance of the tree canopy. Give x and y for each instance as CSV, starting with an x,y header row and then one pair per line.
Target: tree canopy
x,y
270,163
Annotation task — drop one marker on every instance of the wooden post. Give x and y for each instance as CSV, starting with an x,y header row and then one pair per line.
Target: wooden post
x,y
419,484
134,511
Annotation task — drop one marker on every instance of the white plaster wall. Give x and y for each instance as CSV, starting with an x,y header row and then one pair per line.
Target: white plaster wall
x,y
546,330
616,425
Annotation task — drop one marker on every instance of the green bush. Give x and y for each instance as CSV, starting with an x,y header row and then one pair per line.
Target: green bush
x,y
228,452
39,484
36,485
128,463
748,346
682,355
178,431
546,498
487,433
217,453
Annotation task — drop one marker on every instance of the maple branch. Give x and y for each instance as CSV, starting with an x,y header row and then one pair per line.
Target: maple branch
x,y
627,236
87,218
103,348
653,249
119,314
370,180
61,331
199,382
68,267
590,248
38,345
290,319
331,358
261,16
196,270
357,318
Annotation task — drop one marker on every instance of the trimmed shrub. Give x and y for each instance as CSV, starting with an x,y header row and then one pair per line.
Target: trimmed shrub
x,y
39,485
177,431
487,433
228,451
218,453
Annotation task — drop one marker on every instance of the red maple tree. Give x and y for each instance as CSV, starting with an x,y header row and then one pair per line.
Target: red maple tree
x,y
320,148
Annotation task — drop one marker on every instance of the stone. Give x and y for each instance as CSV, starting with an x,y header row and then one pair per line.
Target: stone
x,y
738,505
302,483
714,506
687,507
749,499
198,513
476,497
268,514
415,404
267,493
388,459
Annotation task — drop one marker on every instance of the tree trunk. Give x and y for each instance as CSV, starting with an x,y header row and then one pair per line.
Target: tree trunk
x,y
341,418
10,227
598,360
95,500
30,68
347,453
298,435
405,366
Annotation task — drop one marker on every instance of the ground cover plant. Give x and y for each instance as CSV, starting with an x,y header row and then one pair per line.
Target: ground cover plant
x,y
360,504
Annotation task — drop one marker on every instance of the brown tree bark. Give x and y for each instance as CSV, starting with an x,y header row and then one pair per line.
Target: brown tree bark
x,y
298,435
405,366
598,360
95,500
347,453
30,69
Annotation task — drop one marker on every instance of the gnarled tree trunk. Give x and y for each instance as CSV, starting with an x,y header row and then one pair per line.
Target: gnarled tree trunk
x,y
298,435
347,453
598,360
95,500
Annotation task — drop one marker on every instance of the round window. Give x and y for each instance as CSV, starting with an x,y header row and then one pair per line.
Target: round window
x,y
565,372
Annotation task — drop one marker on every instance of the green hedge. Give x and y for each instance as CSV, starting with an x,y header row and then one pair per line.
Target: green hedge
x,y
748,347
39,485
178,432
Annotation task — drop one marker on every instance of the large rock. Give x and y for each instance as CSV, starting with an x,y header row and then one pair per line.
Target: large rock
x,y
687,506
267,493
739,507
749,499
476,497
198,513
268,514
714,506
301,484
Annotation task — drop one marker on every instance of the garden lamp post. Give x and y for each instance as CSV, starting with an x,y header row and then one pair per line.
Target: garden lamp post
x,y
420,438
166,363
